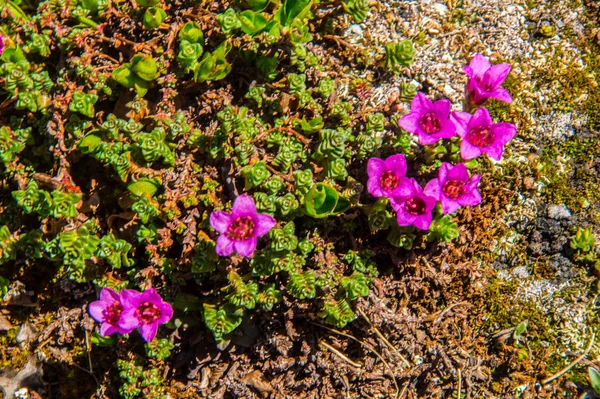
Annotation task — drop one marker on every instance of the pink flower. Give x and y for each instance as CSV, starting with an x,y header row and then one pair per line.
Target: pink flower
x,y
386,176
430,121
485,80
414,208
241,228
1,44
145,311
108,311
453,188
479,135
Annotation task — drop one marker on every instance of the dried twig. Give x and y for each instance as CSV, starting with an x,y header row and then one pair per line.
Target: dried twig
x,y
340,354
573,364
384,339
391,371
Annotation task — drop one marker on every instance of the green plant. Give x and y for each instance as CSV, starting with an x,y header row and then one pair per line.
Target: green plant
x,y
137,74
357,9
399,55
83,103
153,17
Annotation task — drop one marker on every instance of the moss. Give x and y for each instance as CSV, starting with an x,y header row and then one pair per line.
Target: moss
x,y
571,179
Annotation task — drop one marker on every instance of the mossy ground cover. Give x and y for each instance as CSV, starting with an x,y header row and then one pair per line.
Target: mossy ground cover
x,y
122,133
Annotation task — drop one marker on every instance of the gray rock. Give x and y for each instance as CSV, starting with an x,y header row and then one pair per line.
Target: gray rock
x,y
558,212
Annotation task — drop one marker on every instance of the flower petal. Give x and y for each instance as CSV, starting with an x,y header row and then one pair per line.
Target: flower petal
x,y
501,94
243,205
479,65
448,129
128,320
373,187
433,188
471,198
397,164
402,190
459,173
410,122
503,131
461,121
441,109
481,118
96,310
108,329
443,172
109,295
264,224
404,218
148,331
150,295
130,298
224,246
166,312
468,150
220,221
494,151
427,139
420,104
375,167
449,205
245,248
494,76
423,221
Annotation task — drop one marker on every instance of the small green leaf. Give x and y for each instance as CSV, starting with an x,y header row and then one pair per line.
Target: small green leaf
x,y
90,143
144,187
594,379
124,76
252,22
144,67
153,17
192,33
321,200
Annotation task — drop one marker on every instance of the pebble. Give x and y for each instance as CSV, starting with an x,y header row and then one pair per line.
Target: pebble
x,y
558,212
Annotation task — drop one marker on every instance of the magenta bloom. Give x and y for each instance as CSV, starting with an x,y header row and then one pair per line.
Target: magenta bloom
x,y
430,121
485,80
480,135
108,311
1,44
386,176
241,228
145,311
415,207
453,188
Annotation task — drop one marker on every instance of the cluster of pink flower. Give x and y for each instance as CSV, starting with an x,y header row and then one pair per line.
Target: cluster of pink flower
x,y
128,310
432,121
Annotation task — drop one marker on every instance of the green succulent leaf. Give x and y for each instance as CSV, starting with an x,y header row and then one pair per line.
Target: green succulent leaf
x,y
222,320
144,67
144,187
357,9
252,22
399,55
64,204
83,103
256,174
153,17
229,22
269,297
243,294
192,33
302,285
355,286
337,312
594,379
